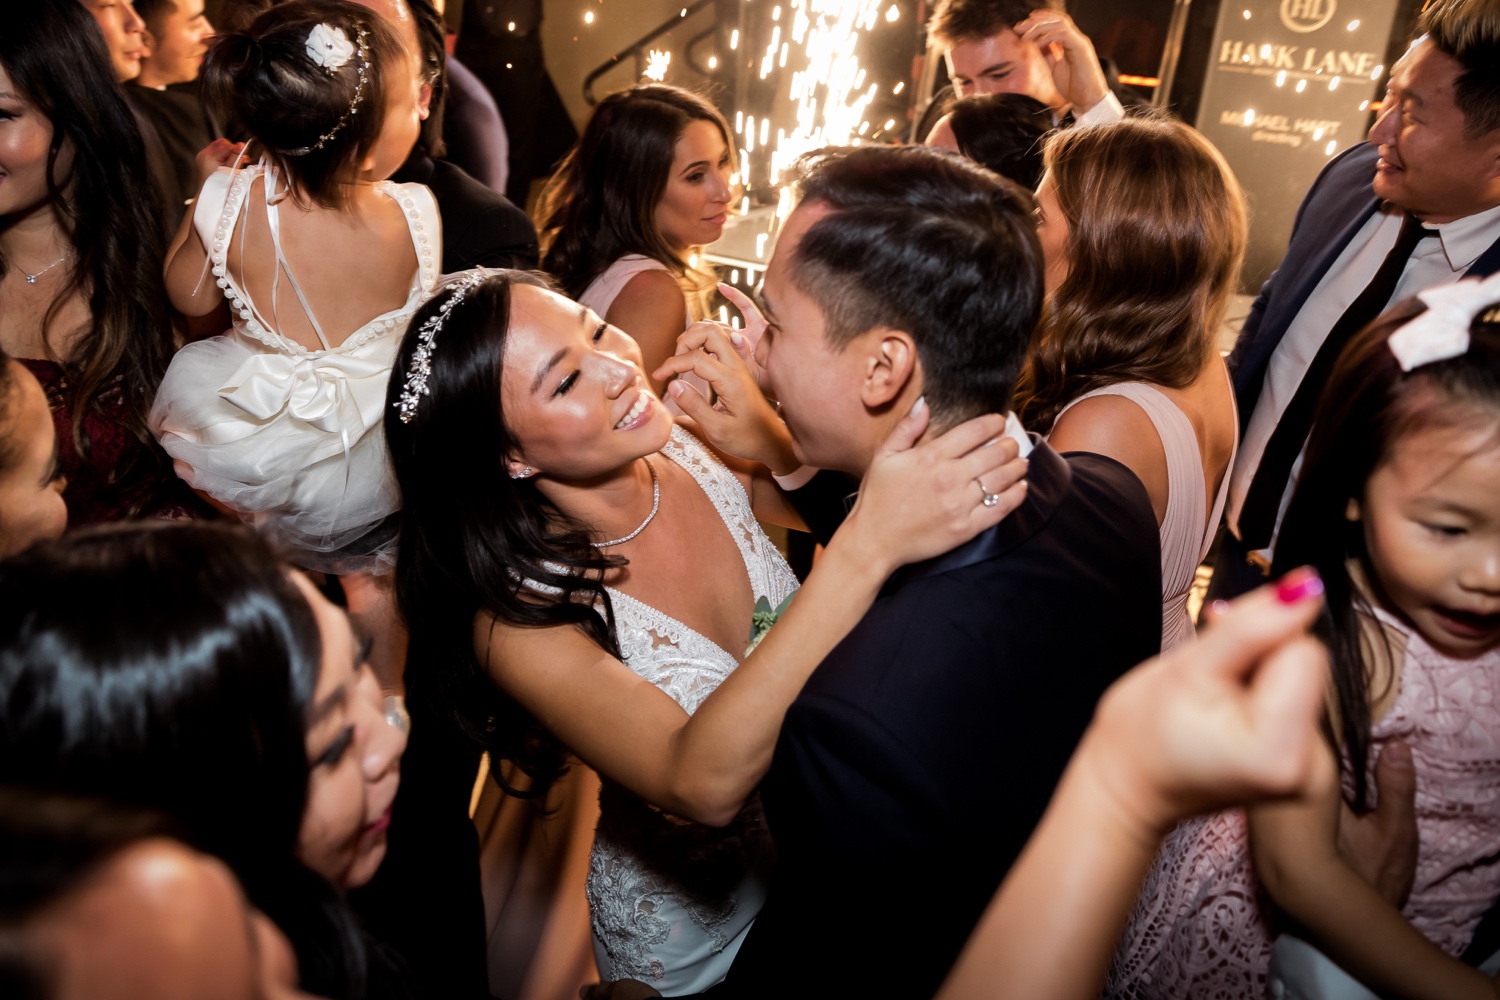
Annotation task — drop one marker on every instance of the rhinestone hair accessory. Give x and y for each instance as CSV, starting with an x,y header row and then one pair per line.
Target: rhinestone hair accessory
x,y
421,358
330,48
1442,332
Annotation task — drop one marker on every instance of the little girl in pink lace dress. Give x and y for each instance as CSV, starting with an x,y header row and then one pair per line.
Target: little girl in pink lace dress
x,y
1398,508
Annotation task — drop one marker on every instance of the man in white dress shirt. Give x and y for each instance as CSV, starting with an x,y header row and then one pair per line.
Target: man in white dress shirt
x,y
1416,207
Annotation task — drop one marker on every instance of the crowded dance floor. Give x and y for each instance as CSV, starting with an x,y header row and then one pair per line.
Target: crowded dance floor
x,y
959,499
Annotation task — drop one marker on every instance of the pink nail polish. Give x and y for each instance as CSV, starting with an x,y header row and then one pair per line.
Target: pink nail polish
x,y
1220,608
1299,585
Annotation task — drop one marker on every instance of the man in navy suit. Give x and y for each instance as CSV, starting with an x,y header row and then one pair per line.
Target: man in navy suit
x,y
1416,207
923,750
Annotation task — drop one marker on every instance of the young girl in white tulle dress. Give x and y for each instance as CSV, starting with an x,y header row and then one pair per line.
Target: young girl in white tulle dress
x,y
322,262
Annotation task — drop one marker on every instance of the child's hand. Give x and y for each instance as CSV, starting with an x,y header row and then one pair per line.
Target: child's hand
x,y
1228,719
219,153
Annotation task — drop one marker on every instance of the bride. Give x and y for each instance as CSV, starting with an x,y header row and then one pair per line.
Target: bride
x,y
580,576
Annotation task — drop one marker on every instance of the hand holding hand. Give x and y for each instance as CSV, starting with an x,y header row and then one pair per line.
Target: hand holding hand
x,y
1221,721
740,422
1070,55
219,153
918,501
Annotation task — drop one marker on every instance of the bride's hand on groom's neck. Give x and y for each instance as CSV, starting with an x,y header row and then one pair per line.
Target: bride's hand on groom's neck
x,y
918,501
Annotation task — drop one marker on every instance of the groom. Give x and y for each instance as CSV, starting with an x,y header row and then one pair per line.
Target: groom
x,y
914,764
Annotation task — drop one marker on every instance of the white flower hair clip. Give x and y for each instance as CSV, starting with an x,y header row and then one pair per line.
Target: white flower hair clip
x,y
1442,332
330,48
421,358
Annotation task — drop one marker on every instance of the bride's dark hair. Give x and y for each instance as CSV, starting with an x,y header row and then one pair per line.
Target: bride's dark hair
x,y
475,540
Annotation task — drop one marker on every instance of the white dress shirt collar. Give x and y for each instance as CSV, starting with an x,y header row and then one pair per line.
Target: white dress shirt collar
x,y
1465,239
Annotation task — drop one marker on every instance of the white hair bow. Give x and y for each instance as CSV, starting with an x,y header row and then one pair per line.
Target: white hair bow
x,y
1442,332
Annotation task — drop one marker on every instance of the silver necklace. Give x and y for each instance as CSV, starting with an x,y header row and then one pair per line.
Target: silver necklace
x,y
31,278
655,503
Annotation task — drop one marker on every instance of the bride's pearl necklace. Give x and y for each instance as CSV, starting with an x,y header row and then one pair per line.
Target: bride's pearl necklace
x,y
655,503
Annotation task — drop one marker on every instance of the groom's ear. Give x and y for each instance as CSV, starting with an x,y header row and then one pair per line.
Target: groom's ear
x,y
889,362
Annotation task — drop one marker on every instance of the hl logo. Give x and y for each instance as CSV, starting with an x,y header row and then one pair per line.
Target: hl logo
x,y
1307,15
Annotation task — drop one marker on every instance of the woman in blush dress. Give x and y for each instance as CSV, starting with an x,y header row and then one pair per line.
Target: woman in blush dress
x,y
1125,364
648,184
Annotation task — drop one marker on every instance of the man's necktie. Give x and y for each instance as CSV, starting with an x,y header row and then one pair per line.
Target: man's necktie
x,y
1263,500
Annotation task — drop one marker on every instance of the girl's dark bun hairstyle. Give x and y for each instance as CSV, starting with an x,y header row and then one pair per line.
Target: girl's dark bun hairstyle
x,y
263,77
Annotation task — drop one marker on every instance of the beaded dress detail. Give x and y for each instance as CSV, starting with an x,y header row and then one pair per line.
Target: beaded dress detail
x,y
1202,926
672,900
290,438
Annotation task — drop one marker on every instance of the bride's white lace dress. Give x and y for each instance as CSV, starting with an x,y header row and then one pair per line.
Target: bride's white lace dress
x,y
671,900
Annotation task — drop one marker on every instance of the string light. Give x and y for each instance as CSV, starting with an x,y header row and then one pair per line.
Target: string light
x,y
588,17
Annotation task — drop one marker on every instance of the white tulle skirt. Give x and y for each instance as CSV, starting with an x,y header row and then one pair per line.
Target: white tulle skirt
x,y
292,443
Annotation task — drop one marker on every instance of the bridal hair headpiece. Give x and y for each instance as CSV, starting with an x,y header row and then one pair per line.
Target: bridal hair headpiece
x,y
1442,332
421,358
330,48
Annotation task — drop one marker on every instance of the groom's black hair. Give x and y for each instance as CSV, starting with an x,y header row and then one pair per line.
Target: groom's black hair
x,y
926,241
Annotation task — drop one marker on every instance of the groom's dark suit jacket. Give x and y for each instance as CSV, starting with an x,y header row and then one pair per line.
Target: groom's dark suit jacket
x,y
921,753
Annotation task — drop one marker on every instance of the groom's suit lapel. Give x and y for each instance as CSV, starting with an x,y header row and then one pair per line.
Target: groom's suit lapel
x,y
1049,478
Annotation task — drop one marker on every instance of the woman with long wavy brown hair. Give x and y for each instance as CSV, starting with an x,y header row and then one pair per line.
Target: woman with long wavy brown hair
x,y
81,299
1143,227
648,184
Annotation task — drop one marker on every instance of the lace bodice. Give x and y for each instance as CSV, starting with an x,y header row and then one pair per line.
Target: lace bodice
x,y
1200,927
671,899
661,649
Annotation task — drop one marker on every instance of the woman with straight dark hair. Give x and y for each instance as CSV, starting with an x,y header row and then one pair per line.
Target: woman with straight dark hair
x,y
581,575
184,668
648,183
1143,227
81,298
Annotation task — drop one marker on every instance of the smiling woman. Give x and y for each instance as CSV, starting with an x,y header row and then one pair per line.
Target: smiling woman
x,y
649,182
580,577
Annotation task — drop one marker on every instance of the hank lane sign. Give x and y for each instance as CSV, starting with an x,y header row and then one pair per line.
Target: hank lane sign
x,y
1289,87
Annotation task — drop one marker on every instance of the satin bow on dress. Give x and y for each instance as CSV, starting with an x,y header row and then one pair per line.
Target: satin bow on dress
x,y
311,388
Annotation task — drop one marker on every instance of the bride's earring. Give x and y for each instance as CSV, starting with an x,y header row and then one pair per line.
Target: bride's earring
x,y
525,473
